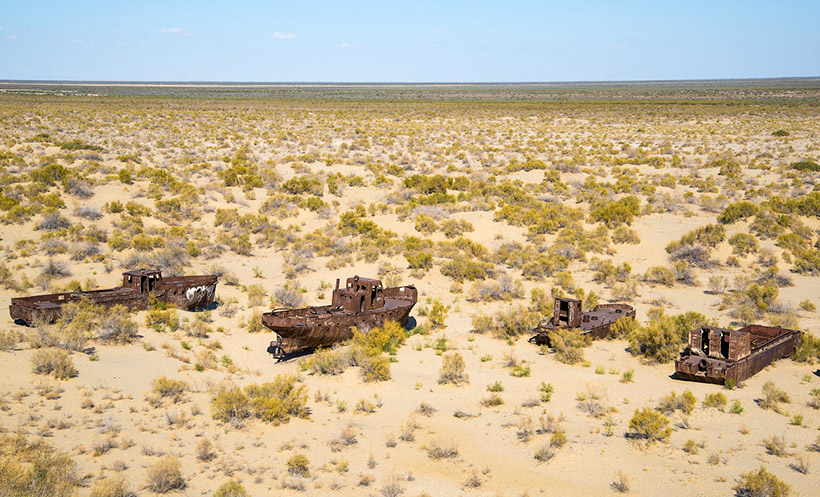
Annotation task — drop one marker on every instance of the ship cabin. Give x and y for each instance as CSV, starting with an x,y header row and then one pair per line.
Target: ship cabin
x,y
142,280
359,295
567,313
720,343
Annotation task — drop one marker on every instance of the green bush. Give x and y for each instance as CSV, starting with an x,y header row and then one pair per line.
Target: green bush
x,y
717,400
737,211
674,402
809,349
273,402
661,339
761,483
743,244
231,488
298,465
169,388
617,212
54,362
660,275
468,269
805,166
568,345
649,425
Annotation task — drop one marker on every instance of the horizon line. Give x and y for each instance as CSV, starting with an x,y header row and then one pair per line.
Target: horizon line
x,y
79,82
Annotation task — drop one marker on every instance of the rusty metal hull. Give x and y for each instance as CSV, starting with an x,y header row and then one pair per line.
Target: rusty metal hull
x,y
185,292
322,326
594,324
773,344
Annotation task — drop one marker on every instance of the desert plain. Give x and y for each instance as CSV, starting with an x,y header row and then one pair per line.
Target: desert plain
x,y
695,203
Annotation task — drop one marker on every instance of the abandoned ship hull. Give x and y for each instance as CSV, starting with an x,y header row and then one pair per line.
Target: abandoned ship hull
x,y
323,326
185,292
774,343
595,324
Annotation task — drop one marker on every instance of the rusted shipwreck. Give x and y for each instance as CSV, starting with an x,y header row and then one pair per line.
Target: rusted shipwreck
x,y
594,324
362,303
186,292
715,355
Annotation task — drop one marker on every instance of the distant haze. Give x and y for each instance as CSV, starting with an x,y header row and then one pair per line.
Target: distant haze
x,y
419,41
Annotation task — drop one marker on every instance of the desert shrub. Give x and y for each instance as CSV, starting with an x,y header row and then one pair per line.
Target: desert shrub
x,y
621,483
468,269
674,402
805,166
743,244
544,453
452,369
623,234
761,483
115,486
622,328
437,314
298,465
205,450
507,325
773,396
419,261
442,449
504,288
169,388
776,446
737,211
660,275
231,488
661,339
54,362
90,213
162,319
453,228
329,361
568,345
287,297
10,339
35,469
164,475
649,425
374,368
717,400
53,222
617,212
56,269
809,349
256,295
115,325
273,402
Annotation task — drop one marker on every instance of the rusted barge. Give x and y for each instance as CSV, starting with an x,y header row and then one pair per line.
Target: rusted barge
x,y
186,292
594,324
362,303
715,355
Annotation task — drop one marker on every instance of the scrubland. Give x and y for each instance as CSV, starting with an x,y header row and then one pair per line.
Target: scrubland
x,y
696,206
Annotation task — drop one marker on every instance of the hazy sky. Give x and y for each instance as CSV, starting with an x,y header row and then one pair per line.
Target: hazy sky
x,y
413,41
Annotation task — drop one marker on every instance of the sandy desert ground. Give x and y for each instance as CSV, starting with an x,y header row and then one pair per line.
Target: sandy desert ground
x,y
478,203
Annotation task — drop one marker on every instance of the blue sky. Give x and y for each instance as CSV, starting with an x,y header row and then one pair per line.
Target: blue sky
x,y
415,41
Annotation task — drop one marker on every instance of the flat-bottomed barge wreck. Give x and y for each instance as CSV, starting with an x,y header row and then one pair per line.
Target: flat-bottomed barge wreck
x,y
362,303
715,355
594,324
185,292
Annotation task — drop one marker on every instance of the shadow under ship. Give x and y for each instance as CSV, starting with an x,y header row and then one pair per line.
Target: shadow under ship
x,y
185,292
363,303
